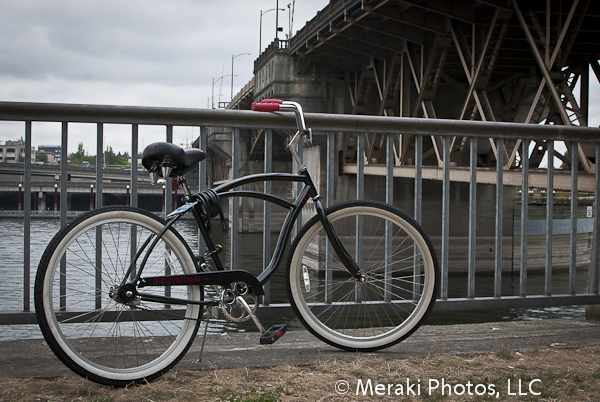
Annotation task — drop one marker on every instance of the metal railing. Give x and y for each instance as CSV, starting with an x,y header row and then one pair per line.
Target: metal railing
x,y
331,126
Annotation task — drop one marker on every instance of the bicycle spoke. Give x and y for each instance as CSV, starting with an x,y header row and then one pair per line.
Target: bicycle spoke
x,y
380,309
141,338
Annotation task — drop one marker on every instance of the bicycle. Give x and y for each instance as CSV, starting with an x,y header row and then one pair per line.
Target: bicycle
x,y
119,295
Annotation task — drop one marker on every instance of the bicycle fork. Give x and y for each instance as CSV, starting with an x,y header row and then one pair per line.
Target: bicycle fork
x,y
343,254
349,262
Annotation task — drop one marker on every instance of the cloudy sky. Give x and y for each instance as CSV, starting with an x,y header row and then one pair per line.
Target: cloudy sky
x,y
137,52
131,52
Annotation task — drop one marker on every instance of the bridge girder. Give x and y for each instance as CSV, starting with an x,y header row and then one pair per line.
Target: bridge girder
x,y
480,60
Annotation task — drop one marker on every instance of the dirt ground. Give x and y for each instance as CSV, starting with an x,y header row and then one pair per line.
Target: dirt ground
x,y
552,374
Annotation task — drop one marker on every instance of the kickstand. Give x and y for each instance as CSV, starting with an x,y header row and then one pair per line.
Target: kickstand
x,y
203,340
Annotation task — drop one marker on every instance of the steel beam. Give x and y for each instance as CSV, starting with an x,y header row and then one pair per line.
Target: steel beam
x,y
545,69
514,178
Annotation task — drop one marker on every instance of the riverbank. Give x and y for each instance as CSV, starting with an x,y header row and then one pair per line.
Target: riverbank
x,y
563,353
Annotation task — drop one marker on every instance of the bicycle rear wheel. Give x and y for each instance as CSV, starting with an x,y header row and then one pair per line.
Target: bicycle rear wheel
x,y
400,267
114,340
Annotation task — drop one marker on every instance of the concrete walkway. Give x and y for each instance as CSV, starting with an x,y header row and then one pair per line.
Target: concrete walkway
x,y
33,358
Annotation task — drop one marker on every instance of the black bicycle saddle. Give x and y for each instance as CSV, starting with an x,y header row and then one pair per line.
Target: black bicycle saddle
x,y
175,159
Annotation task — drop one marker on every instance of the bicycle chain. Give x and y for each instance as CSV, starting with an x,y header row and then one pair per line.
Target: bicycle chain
x,y
162,312
220,305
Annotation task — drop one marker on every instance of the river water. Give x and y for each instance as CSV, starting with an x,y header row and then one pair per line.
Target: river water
x,y
250,257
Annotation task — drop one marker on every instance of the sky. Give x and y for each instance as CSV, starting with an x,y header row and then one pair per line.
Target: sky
x,y
132,52
139,53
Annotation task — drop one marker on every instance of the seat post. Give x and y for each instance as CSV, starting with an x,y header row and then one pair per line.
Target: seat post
x,y
186,190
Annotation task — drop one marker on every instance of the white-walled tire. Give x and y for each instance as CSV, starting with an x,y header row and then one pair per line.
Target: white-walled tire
x,y
95,335
401,277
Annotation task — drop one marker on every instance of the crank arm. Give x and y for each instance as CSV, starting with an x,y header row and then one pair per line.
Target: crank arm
x,y
242,303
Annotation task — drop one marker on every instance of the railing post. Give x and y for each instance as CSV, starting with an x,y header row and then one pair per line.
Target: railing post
x,y
524,213
99,174
99,164
168,208
202,180
27,220
300,151
417,288
267,213
63,208
389,198
234,210
499,210
549,218
329,202
573,245
168,180
418,177
134,165
445,218
472,217
360,194
63,174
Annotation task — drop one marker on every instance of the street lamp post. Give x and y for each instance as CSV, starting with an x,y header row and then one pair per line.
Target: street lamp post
x,y
91,197
232,58
20,197
276,27
213,88
127,196
55,198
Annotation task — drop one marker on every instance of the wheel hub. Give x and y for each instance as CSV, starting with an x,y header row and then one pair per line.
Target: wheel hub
x,y
125,294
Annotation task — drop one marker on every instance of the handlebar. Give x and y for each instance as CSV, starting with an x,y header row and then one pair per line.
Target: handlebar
x,y
276,105
267,105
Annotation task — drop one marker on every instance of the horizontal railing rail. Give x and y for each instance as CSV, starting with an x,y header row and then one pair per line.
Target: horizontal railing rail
x,y
330,126
58,112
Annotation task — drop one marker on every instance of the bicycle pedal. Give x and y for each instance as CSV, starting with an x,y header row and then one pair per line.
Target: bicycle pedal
x,y
272,334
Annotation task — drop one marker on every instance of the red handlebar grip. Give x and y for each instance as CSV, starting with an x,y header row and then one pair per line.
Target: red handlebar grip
x,y
267,105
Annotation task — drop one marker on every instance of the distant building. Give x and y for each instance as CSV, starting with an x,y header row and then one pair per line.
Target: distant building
x,y
14,151
46,157
54,149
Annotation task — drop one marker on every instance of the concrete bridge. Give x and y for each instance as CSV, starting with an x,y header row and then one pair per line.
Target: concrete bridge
x,y
487,61
81,187
390,82
499,60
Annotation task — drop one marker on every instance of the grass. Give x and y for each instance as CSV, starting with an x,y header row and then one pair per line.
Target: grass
x,y
563,374
254,396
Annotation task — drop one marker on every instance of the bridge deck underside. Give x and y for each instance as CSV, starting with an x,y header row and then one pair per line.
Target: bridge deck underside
x,y
495,60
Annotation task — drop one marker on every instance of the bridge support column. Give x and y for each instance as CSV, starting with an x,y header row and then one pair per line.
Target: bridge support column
x,y
41,201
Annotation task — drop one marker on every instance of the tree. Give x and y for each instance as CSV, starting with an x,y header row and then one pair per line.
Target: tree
x,y
79,157
110,158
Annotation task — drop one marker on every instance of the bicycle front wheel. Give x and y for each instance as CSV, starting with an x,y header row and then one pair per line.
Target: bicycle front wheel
x,y
400,283
100,332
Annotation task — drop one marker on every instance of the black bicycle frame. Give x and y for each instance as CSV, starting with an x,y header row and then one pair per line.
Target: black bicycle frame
x,y
227,191
309,191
